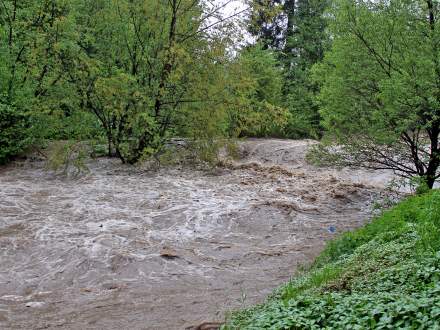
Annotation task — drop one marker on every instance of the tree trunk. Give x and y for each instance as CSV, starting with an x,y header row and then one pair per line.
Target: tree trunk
x,y
434,161
289,8
430,182
109,144
434,132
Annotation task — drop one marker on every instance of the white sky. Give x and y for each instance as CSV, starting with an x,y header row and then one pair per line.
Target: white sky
x,y
234,6
229,8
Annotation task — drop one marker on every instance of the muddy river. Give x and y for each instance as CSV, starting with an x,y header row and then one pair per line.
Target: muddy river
x,y
126,248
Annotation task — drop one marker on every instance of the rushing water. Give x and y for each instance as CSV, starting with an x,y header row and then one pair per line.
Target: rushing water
x,y
123,248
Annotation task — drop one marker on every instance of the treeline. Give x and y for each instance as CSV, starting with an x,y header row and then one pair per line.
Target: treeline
x,y
365,75
134,73
362,75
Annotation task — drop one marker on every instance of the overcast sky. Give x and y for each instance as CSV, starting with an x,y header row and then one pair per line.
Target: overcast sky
x,y
235,6
228,9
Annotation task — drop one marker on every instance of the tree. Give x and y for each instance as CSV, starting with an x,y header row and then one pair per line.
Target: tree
x,y
380,91
305,44
266,22
257,91
296,30
136,72
140,65
34,37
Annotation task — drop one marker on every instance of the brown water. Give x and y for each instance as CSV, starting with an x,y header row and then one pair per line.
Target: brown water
x,y
124,248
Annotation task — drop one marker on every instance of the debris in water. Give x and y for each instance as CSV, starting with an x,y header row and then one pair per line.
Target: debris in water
x,y
168,253
35,304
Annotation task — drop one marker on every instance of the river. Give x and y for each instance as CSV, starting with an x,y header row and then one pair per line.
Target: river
x,y
127,248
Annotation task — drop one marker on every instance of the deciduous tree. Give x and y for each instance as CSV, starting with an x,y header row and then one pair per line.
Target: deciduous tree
x,y
381,86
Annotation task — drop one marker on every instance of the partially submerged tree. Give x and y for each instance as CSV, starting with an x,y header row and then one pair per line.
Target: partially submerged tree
x,y
380,91
140,65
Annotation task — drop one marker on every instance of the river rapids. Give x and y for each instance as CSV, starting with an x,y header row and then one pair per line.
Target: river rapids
x,y
125,248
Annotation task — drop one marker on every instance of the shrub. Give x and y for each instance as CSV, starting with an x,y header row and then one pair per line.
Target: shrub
x,y
14,132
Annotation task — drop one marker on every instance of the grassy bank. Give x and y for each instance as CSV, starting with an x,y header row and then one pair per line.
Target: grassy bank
x,y
384,275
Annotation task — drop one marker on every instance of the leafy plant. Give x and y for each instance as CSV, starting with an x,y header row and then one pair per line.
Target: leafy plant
x,y
379,86
68,157
14,132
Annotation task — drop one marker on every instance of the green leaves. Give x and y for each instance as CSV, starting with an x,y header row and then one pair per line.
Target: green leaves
x,y
295,30
36,38
136,72
379,85
149,71
257,89
14,132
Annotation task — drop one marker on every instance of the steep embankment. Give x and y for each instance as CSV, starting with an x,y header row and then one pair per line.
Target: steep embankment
x,y
385,275
126,248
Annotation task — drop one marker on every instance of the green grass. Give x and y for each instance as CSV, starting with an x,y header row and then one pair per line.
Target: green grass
x,y
385,275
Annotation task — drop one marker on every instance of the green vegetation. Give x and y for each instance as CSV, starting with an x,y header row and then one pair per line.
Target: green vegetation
x,y
363,74
380,84
384,275
295,30
130,75
14,135
123,78
133,74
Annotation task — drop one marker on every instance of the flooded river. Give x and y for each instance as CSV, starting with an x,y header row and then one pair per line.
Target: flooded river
x,y
125,248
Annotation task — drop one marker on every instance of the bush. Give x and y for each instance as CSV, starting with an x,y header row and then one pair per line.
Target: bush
x,y
14,132
68,157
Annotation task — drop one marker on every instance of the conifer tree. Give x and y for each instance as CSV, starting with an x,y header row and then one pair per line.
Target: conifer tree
x,y
304,47
296,30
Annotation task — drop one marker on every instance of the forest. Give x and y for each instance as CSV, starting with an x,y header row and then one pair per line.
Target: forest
x,y
364,76
328,112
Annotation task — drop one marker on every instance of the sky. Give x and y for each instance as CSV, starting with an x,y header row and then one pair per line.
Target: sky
x,y
234,6
228,9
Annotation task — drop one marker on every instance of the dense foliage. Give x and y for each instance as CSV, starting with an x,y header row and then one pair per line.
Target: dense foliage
x,y
32,43
384,275
124,77
135,73
13,132
295,30
304,47
380,95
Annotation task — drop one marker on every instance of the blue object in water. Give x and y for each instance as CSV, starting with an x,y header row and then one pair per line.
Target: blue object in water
x,y
332,229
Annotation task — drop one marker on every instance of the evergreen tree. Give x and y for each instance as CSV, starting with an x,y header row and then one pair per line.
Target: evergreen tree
x,y
267,23
296,29
305,44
